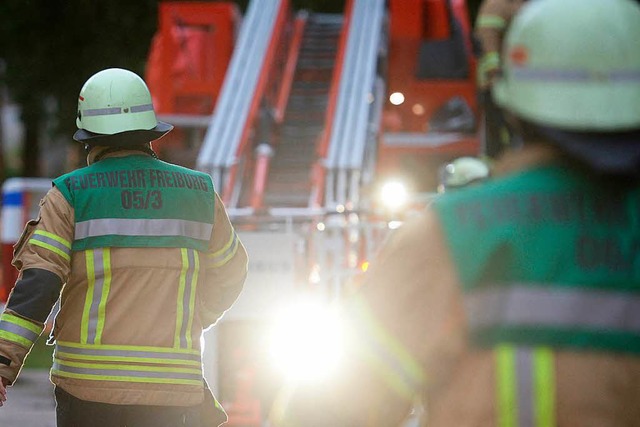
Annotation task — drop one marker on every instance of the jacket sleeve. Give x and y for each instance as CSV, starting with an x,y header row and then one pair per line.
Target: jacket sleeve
x,y
226,268
42,256
403,323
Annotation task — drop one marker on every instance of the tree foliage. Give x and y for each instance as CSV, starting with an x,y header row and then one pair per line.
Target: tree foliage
x,y
51,47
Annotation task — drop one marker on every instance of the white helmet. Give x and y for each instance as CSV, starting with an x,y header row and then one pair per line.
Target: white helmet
x,y
572,68
461,172
117,102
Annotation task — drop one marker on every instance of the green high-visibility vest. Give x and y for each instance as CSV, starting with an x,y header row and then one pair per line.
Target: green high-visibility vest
x,y
139,201
548,257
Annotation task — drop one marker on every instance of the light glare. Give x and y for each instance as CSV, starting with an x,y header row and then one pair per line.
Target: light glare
x,y
396,98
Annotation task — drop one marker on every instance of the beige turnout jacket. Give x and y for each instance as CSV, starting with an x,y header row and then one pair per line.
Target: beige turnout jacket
x,y
412,322
142,310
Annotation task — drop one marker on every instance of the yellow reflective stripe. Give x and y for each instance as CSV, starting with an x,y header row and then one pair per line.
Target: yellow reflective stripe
x,y
128,348
91,281
150,360
55,237
106,287
7,317
387,355
488,61
127,373
18,330
192,296
15,338
491,21
93,377
506,386
544,387
51,248
132,368
222,256
180,299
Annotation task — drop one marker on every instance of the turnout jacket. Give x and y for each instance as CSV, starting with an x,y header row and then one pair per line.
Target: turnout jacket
x,y
512,303
143,257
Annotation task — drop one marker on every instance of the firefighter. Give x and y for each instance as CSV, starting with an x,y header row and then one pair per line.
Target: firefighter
x,y
148,259
492,22
516,302
462,172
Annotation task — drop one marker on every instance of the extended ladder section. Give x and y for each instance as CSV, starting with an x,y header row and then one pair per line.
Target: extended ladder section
x,y
351,135
241,92
320,147
289,181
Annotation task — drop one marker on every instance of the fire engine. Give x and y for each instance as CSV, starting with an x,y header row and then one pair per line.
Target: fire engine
x,y
322,131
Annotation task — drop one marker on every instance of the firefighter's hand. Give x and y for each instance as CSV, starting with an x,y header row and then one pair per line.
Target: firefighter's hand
x,y
3,390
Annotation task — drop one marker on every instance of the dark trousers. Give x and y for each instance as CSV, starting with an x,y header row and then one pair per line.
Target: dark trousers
x,y
73,412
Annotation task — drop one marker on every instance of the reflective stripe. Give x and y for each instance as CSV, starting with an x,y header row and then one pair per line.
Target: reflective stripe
x,y
545,387
389,357
525,385
116,110
52,242
542,305
186,298
18,330
564,75
151,355
489,61
491,21
222,256
506,386
141,108
127,373
143,227
98,264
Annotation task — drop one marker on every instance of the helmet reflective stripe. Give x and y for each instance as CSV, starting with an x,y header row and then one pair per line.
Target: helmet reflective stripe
x,y
573,65
114,101
559,75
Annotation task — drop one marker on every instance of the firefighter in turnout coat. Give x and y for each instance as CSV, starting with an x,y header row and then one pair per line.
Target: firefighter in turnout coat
x,y
143,257
515,302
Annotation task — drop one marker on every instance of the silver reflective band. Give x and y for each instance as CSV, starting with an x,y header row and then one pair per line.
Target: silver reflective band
x,y
143,227
115,374
541,305
562,75
18,330
220,259
116,110
52,242
141,108
158,357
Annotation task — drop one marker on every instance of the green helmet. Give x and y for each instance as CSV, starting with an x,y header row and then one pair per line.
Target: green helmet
x,y
574,65
461,172
115,108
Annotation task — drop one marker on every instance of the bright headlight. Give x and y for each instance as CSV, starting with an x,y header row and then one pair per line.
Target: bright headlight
x,y
394,194
306,342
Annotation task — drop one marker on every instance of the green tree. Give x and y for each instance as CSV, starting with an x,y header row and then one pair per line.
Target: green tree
x,y
52,46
